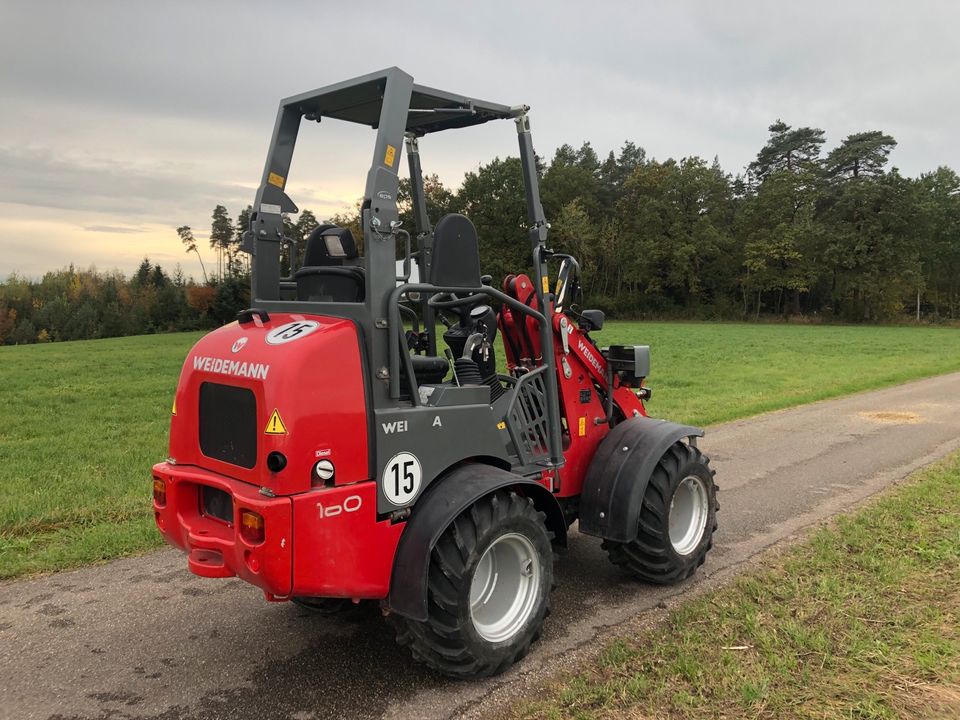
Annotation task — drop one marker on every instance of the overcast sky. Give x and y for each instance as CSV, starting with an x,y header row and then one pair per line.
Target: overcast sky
x,y
120,121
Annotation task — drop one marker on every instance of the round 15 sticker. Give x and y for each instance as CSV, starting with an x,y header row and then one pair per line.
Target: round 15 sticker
x,y
401,478
291,331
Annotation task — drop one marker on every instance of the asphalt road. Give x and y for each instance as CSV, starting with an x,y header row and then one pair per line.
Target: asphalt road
x,y
143,638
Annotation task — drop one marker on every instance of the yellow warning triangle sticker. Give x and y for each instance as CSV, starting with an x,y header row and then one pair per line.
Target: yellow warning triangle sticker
x,y
275,425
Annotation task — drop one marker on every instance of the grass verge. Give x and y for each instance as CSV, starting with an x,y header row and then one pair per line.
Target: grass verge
x,y
862,620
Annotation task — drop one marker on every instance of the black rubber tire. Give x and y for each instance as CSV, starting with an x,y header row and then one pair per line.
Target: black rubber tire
x,y
448,642
325,606
651,556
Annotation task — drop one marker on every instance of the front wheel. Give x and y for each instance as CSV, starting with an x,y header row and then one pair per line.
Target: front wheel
x,y
677,520
488,590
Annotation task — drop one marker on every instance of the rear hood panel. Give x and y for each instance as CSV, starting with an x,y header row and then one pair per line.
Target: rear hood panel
x,y
306,377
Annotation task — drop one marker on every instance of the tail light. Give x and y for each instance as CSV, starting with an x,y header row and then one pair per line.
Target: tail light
x,y
159,492
251,527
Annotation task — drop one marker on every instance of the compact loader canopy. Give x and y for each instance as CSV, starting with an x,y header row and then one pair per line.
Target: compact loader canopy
x,y
361,101
401,112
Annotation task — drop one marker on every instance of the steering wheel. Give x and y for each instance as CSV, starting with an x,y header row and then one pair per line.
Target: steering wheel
x,y
447,300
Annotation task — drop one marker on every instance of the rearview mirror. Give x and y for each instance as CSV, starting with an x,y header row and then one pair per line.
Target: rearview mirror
x,y
591,320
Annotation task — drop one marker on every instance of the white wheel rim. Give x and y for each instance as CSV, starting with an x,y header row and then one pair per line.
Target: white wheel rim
x,y
504,589
688,514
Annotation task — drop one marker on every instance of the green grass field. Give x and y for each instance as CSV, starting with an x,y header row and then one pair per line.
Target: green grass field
x,y
862,620
80,425
82,422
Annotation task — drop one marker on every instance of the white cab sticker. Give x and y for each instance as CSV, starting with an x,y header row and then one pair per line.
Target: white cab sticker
x,y
401,479
350,504
291,331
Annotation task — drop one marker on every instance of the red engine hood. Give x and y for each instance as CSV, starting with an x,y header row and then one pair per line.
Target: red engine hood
x,y
306,374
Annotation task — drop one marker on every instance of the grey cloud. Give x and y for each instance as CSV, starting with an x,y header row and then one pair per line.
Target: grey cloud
x,y
148,112
188,58
36,176
678,78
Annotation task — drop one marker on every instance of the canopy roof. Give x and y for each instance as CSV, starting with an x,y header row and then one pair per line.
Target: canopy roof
x,y
360,100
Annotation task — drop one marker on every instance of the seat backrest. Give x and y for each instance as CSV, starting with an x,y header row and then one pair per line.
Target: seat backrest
x,y
330,284
456,253
329,245
326,276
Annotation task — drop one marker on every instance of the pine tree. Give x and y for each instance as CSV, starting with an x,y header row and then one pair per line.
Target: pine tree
x,y
186,237
221,234
242,226
860,154
792,150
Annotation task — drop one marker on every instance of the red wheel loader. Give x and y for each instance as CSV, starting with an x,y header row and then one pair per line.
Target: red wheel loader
x,y
323,449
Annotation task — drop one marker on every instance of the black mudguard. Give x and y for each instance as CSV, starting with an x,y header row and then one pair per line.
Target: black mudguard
x,y
444,500
619,472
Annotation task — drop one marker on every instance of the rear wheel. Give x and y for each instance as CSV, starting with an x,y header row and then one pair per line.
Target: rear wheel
x,y
488,589
677,520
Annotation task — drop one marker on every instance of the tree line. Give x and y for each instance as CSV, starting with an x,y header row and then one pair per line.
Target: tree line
x,y
833,235
801,232
74,304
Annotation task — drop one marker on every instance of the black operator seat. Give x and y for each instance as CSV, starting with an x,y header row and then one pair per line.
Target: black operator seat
x,y
326,275
456,253
455,263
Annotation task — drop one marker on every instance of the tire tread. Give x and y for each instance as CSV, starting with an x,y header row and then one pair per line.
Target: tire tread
x,y
650,557
440,642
